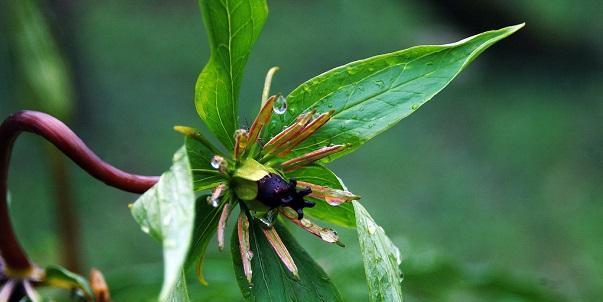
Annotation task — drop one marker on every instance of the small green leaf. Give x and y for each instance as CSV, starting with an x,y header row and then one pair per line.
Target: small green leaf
x,y
271,280
60,277
206,223
233,26
204,175
381,258
372,95
167,213
342,214
250,169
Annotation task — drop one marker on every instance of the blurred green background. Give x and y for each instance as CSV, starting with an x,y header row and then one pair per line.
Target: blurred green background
x,y
493,191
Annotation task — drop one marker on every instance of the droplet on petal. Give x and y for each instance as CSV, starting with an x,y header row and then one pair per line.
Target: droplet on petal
x,y
280,105
216,161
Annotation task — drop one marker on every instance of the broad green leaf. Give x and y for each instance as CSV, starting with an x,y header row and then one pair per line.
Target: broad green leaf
x,y
206,223
381,258
167,213
179,293
271,279
204,175
40,65
233,26
60,277
372,95
342,214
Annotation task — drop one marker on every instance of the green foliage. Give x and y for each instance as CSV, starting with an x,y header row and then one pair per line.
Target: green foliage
x,y
167,213
271,279
370,96
233,26
342,215
206,221
381,258
41,67
200,155
60,277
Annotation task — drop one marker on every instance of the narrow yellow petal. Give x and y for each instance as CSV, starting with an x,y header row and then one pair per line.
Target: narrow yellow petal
x,y
281,250
244,245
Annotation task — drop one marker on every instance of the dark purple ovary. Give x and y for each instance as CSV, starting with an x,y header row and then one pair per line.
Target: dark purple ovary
x,y
274,191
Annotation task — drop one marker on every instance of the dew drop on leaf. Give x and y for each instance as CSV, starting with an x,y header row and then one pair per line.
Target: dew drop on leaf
x,y
380,84
414,106
145,229
249,255
280,105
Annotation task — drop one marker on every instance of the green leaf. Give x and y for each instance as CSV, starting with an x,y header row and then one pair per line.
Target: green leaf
x,y
381,258
167,213
60,277
204,175
343,214
233,26
271,279
372,95
206,223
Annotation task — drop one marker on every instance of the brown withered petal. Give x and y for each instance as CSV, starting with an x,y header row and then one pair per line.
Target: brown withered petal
x,y
302,135
332,196
241,142
268,83
281,250
326,234
99,286
288,133
222,225
244,245
311,157
261,120
214,199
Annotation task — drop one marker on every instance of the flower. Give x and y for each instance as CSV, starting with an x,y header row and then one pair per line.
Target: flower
x,y
257,179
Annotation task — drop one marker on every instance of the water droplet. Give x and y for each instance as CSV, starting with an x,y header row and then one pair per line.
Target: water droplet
x,y
306,88
249,255
380,84
330,105
213,202
371,125
145,228
334,201
216,161
415,106
280,105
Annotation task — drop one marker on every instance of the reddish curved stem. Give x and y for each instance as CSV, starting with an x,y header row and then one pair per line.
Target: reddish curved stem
x,y
69,143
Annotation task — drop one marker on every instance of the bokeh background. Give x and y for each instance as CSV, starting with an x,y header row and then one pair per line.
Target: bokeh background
x,y
493,190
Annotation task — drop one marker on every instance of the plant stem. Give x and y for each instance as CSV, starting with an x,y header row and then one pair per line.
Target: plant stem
x,y
70,144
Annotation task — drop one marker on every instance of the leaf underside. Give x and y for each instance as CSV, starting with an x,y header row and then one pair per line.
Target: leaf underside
x,y
167,213
233,26
381,258
372,95
271,280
